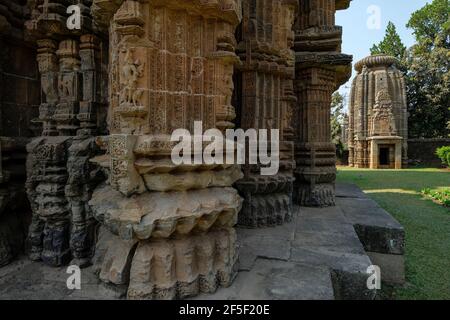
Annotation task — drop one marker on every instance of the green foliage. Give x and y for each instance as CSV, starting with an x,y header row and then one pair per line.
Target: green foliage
x,y
428,76
426,66
340,148
442,196
337,116
391,45
444,154
431,25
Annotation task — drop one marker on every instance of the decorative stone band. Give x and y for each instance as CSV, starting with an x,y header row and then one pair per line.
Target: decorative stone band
x,y
338,62
266,210
168,214
375,61
319,38
268,200
227,10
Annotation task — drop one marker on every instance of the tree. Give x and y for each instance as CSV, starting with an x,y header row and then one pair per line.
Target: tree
x,y
428,76
426,66
391,45
337,116
337,120
431,25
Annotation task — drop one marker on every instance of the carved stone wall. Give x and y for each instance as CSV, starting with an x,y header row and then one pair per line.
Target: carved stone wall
x,y
19,101
265,97
170,227
319,71
378,116
112,93
72,111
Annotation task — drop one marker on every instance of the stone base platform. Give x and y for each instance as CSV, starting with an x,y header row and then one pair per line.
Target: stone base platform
x,y
323,253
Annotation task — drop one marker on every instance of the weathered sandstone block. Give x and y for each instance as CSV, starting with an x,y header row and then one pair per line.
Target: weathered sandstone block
x,y
165,214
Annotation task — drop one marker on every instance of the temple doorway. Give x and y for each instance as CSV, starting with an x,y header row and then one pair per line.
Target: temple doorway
x,y
385,152
384,156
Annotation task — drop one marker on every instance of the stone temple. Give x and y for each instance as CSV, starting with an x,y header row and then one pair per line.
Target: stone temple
x,y
377,128
87,114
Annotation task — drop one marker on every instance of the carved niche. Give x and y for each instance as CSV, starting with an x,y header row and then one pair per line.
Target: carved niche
x,y
383,122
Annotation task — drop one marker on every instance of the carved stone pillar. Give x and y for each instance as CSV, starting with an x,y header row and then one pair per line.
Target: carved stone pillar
x,y
60,176
320,70
265,98
170,227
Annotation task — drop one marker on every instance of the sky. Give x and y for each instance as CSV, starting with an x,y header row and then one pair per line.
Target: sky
x,y
365,22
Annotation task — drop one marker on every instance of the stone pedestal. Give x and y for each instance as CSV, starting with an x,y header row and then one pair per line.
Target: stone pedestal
x,y
171,225
168,245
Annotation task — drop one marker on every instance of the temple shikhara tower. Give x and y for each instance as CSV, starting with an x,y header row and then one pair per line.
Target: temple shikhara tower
x,y
378,118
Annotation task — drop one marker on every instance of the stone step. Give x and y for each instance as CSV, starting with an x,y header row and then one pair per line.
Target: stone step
x,y
382,237
278,280
327,239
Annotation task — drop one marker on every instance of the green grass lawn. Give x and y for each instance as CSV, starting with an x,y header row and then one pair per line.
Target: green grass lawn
x,y
427,224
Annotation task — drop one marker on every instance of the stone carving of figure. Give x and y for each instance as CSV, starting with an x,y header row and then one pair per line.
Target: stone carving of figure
x,y
65,86
131,72
383,122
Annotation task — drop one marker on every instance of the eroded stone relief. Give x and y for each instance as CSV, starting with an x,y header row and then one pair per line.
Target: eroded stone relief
x,y
60,176
113,92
